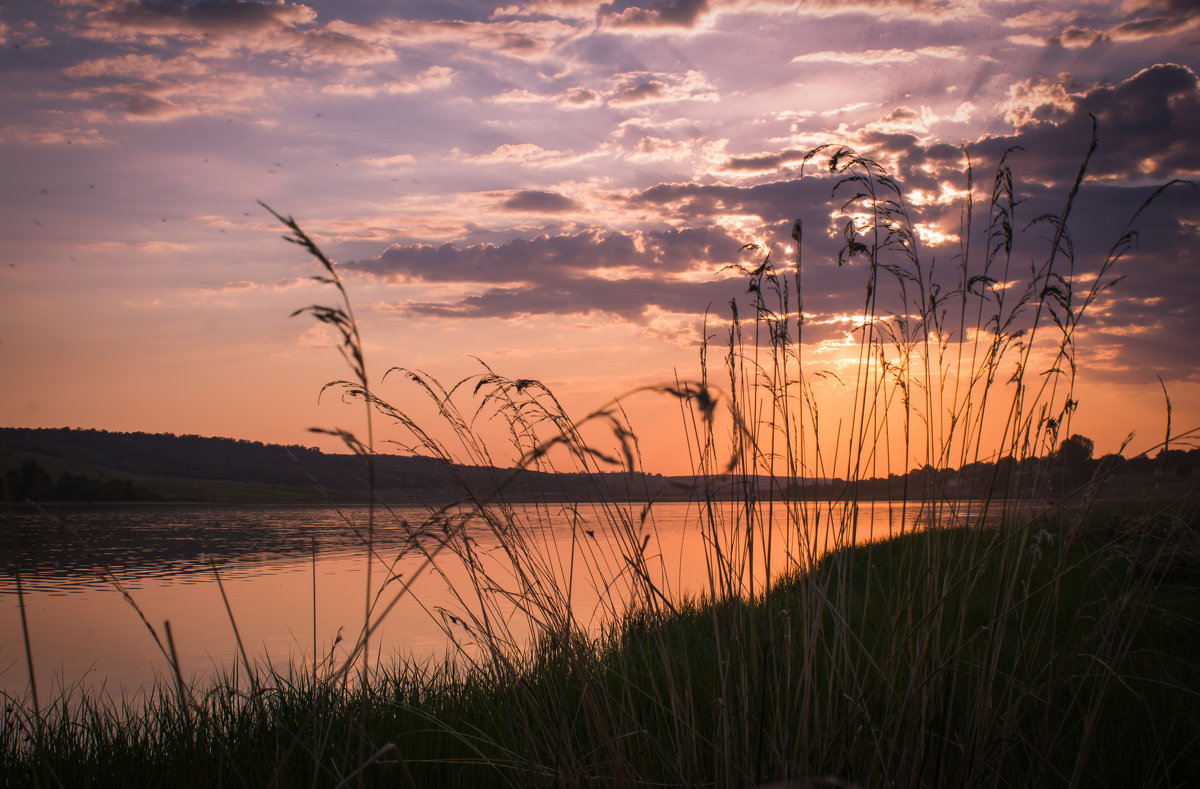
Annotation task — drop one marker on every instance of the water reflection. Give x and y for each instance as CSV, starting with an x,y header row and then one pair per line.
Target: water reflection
x,y
296,578
71,547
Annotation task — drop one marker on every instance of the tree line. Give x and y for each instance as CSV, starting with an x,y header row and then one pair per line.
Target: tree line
x,y
1069,468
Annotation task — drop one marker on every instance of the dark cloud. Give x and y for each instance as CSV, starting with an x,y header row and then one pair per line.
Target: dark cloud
x,y
520,44
1153,19
631,300
1076,37
1186,8
777,203
205,17
540,202
669,13
335,47
926,8
901,114
1142,128
581,96
559,257
644,91
763,162
1147,127
569,273
148,106
1150,28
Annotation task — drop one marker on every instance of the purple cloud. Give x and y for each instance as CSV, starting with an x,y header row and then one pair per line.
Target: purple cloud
x,y
534,201
207,17
665,14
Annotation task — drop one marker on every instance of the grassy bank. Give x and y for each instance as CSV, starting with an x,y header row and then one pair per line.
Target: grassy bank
x,y
1055,653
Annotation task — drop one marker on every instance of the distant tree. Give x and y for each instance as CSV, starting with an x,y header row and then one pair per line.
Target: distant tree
x,y
1074,458
30,482
1077,449
1111,464
1176,461
1140,464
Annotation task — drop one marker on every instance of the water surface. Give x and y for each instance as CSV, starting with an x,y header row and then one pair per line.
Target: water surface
x,y
96,580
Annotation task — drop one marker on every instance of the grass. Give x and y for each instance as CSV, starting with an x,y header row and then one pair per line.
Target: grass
x,y
1054,646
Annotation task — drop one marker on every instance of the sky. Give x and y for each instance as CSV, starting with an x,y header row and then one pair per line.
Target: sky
x,y
557,189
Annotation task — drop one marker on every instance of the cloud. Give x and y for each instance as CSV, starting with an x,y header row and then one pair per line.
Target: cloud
x,y
636,304
640,93
938,10
432,78
1077,38
665,14
1153,18
142,67
592,271
207,17
766,162
159,62
319,335
641,87
903,119
389,161
1146,122
39,135
659,149
328,47
520,39
143,106
1026,40
530,155
627,89
1039,18
574,10
173,62
873,57
568,256
1038,99
534,201
369,83
903,123
1186,8
1078,30
1142,29
519,96
179,95
580,97
223,28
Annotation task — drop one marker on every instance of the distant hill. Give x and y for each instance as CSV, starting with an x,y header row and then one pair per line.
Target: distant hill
x,y
198,457
64,464
165,466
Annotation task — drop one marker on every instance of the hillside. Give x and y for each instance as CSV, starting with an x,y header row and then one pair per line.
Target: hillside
x,y
104,466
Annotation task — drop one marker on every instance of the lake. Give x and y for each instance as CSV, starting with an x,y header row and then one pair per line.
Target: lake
x,y
296,578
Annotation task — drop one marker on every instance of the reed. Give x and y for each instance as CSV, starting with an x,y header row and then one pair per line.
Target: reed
x,y
1017,639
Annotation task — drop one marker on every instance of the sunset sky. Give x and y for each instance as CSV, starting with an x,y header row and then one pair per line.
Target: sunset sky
x,y
553,187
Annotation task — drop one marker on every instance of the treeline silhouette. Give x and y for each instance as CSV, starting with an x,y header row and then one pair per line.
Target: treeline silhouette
x,y
31,482
1068,469
166,455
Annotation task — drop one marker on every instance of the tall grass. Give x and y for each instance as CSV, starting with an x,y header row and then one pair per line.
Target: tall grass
x,y
1055,648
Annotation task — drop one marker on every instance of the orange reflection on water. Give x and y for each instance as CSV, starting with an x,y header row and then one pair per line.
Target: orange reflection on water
x,y
520,574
